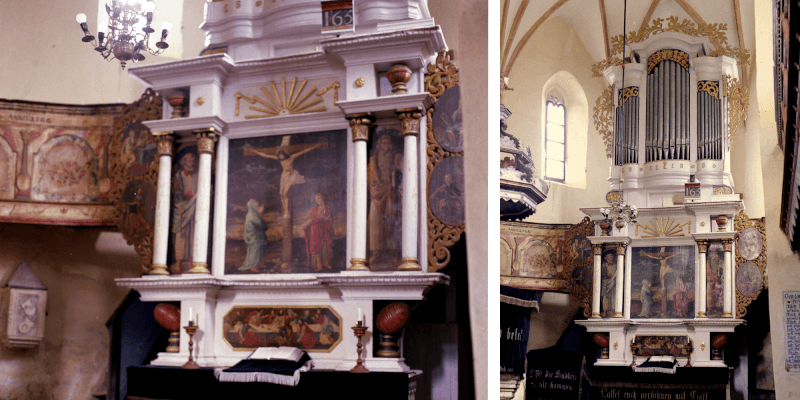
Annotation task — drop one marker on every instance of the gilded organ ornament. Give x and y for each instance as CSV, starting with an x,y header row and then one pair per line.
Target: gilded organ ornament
x,y
738,103
629,92
710,87
603,110
714,32
668,55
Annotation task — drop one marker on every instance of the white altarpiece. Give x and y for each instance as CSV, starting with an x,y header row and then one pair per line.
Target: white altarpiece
x,y
253,86
665,270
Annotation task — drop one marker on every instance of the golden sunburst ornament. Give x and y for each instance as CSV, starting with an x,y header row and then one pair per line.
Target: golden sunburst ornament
x,y
284,101
659,227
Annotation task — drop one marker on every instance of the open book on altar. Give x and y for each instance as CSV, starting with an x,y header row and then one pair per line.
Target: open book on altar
x,y
280,365
277,353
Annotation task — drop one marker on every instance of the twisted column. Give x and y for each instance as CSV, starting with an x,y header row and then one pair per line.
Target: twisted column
x,y
410,119
359,126
202,211
161,229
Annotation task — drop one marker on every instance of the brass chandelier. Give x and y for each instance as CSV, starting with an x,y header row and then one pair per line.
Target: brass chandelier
x,y
125,35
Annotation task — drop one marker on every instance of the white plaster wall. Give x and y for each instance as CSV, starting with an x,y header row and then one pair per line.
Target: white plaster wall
x,y
556,47
45,59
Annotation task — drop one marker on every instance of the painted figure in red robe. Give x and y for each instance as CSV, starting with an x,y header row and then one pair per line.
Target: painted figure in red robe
x,y
319,234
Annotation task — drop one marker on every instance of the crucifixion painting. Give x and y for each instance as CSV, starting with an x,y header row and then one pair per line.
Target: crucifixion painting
x,y
287,204
663,276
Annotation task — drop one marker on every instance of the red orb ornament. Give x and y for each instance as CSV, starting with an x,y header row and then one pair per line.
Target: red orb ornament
x,y
601,339
168,316
719,341
393,318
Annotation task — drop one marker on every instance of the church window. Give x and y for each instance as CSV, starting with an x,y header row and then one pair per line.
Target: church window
x,y
555,142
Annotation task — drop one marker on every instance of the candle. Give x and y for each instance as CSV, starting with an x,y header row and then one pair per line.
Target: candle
x,y
360,316
191,316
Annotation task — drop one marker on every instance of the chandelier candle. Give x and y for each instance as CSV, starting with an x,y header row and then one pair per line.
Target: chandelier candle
x,y
125,35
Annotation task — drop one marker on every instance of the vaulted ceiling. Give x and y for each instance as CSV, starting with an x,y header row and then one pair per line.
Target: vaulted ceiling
x,y
597,21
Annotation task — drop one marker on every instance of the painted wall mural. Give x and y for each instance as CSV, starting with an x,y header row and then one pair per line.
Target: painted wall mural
x,y
54,163
287,204
532,255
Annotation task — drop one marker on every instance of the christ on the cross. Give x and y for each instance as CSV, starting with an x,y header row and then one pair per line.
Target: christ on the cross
x,y
286,155
662,258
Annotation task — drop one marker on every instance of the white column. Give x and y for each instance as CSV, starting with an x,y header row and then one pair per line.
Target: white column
x,y
202,211
410,120
620,281
702,246
161,229
220,207
359,126
626,309
597,250
728,287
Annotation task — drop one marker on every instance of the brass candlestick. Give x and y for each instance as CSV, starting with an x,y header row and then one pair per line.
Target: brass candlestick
x,y
359,331
191,330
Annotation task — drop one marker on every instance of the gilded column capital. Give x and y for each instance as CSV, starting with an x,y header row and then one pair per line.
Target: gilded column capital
x,y
727,245
205,140
702,246
164,143
597,249
410,119
621,248
359,125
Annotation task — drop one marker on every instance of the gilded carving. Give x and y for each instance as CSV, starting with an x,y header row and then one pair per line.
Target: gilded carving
x,y
629,92
738,103
751,260
205,140
614,196
727,245
603,110
721,190
358,264
668,55
335,87
660,227
440,76
409,119
359,125
133,194
279,102
577,269
164,147
714,32
621,248
710,87
702,246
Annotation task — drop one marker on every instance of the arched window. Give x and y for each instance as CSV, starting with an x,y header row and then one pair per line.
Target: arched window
x,y
555,140
563,132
